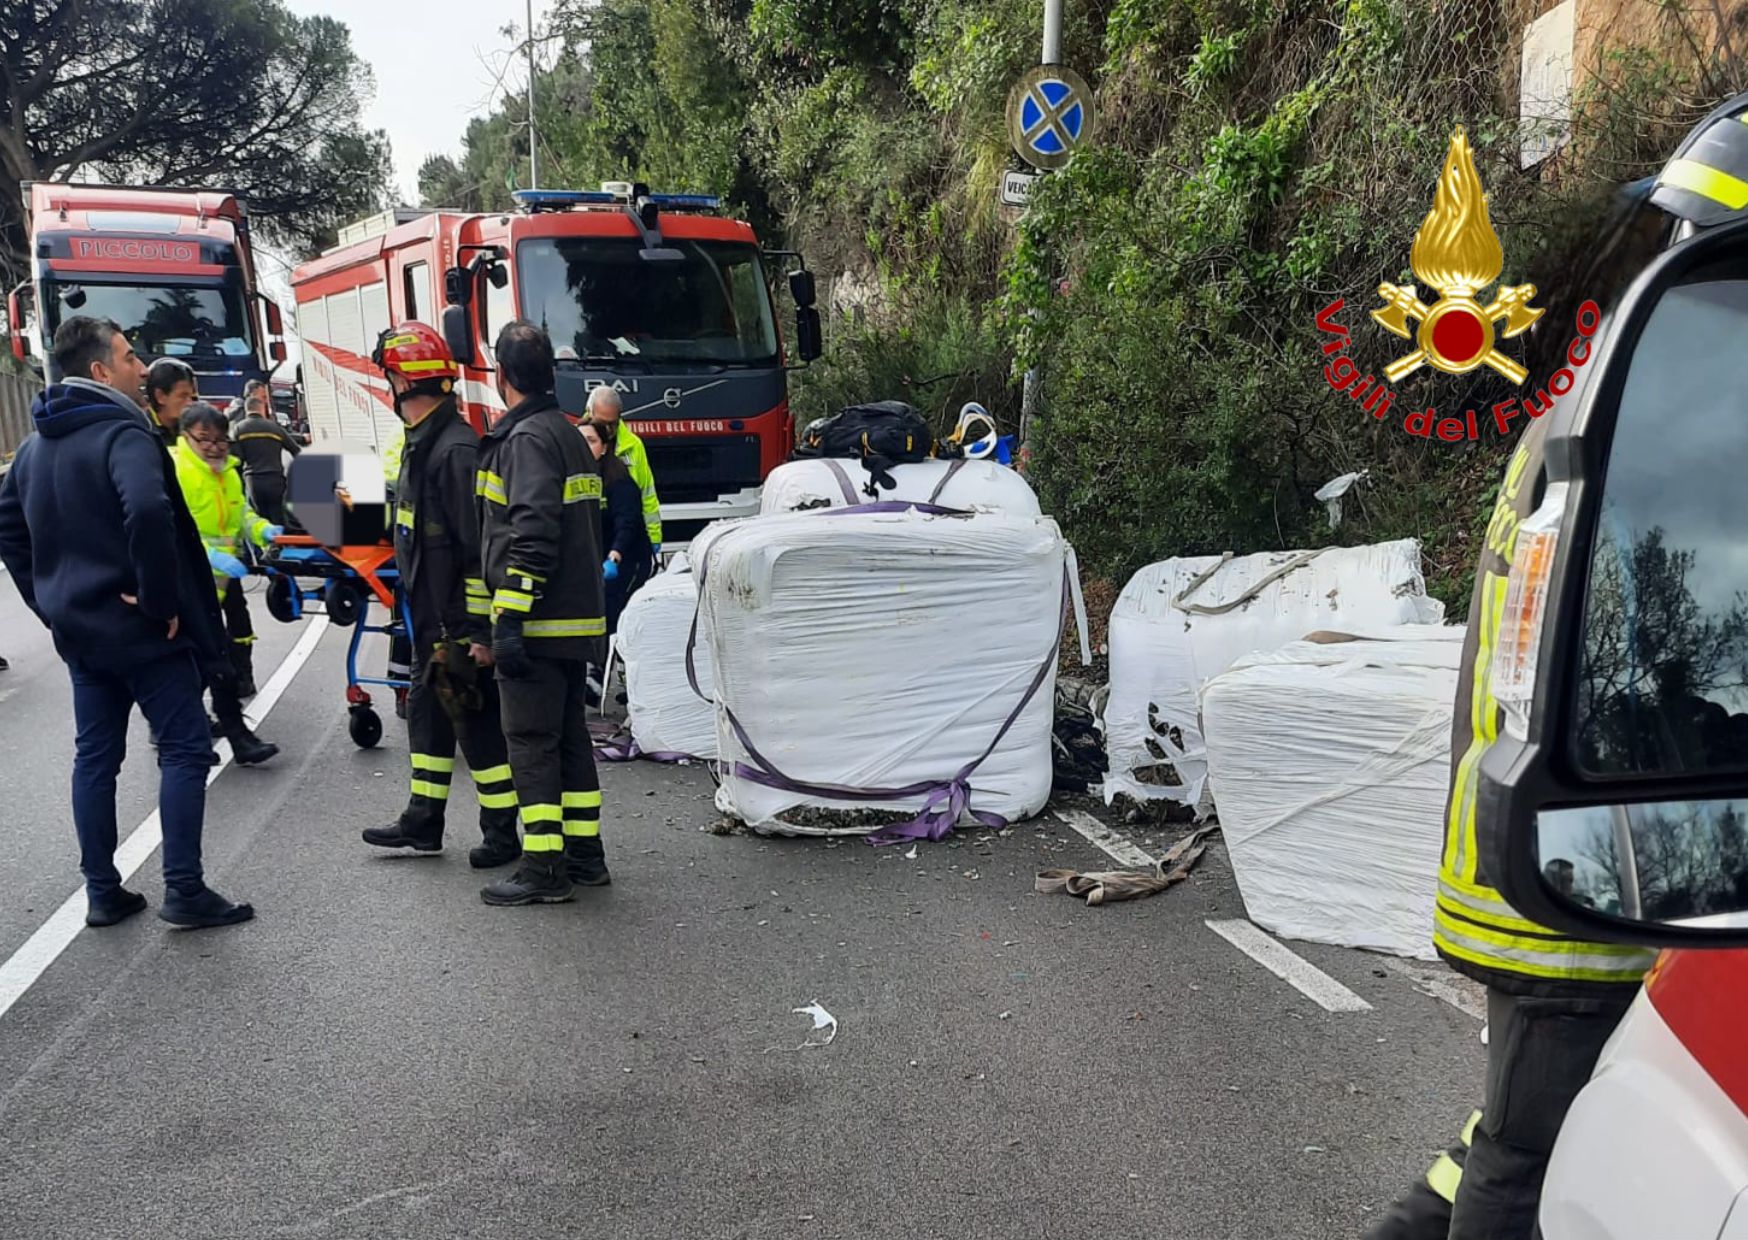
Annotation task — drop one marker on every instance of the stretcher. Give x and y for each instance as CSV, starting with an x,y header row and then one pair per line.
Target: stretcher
x,y
347,581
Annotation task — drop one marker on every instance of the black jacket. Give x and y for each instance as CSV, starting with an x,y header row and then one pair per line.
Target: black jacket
x,y
437,535
539,492
622,525
260,444
91,511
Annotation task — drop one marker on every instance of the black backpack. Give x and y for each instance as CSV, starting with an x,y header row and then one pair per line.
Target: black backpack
x,y
880,435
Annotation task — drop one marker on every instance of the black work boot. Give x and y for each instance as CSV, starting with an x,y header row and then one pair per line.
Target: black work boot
x,y
243,663
247,749
540,879
420,827
585,861
501,844
115,908
202,910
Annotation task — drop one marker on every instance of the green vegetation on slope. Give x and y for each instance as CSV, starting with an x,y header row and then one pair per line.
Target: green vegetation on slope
x,y
1256,159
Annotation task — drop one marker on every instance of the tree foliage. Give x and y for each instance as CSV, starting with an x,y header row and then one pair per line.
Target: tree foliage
x,y
234,93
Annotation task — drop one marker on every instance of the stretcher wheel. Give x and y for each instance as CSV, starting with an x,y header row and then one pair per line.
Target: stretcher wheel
x,y
365,725
343,602
282,600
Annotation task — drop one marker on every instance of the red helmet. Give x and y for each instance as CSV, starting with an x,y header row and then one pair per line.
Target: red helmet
x,y
419,355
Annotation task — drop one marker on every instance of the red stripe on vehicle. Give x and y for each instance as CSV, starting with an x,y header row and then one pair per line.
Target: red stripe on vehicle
x,y
1703,998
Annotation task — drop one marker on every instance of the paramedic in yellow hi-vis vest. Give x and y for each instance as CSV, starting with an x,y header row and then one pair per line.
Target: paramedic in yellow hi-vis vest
x,y
1551,1001
607,410
539,491
437,552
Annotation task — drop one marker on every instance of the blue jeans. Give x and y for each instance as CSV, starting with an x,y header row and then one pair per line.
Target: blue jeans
x,y
168,691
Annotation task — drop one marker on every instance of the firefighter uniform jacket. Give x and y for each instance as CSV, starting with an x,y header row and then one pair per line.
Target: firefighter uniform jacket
x,y
539,492
1476,932
437,535
260,444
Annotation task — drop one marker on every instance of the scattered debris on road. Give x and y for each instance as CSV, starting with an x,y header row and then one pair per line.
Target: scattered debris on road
x,y
825,1026
1112,886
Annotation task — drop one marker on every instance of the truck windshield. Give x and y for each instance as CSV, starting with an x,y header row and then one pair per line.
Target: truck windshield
x,y
600,301
160,320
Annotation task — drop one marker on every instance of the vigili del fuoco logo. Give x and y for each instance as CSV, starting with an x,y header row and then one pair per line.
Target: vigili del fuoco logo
x,y
1457,254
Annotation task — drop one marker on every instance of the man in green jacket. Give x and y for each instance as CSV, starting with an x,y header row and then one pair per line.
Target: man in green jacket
x,y
606,410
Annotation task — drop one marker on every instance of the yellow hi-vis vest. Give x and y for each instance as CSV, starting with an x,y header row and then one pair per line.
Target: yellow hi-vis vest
x,y
629,448
1474,929
215,500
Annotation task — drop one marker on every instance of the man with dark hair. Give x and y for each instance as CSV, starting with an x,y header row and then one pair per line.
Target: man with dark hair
x,y
104,552
254,400
170,388
540,497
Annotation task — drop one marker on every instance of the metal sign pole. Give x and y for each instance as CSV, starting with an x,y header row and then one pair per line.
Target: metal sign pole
x,y
1029,392
533,133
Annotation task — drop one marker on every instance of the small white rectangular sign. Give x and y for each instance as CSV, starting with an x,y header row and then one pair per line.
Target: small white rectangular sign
x,y
1015,186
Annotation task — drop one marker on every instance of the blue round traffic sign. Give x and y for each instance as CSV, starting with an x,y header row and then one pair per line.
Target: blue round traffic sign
x,y
1049,115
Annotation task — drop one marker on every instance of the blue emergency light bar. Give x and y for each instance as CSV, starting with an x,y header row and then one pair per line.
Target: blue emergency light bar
x,y
558,199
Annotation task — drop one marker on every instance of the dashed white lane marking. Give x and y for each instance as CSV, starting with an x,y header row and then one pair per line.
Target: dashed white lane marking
x,y
1115,846
1300,974
43,948
1437,980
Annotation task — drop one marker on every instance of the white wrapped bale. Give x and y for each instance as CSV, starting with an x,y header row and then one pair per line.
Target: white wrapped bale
x,y
981,486
1333,764
1181,622
667,717
882,651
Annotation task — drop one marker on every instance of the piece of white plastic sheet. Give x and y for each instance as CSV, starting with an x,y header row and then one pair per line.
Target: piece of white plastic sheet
x,y
1331,762
666,716
982,486
880,650
1180,622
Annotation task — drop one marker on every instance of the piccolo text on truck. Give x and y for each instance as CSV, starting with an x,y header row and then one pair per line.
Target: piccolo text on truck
x,y
656,295
172,267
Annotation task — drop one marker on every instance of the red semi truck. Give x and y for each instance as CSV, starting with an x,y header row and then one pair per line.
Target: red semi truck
x,y
173,267
656,295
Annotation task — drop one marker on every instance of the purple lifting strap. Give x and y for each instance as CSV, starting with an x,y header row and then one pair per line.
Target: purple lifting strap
x,y
947,800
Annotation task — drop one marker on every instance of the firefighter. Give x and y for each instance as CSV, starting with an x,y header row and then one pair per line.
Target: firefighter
x,y
606,410
540,496
437,552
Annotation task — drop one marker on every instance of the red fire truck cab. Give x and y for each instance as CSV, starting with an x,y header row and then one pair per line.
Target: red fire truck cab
x,y
172,267
655,295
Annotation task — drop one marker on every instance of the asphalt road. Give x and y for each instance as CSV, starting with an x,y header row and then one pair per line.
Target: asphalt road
x,y
380,1054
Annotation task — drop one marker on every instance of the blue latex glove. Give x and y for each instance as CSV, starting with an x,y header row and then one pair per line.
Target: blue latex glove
x,y
226,563
610,569
655,550
272,532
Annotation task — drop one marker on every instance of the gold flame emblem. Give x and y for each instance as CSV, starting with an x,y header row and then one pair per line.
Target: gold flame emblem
x,y
1457,253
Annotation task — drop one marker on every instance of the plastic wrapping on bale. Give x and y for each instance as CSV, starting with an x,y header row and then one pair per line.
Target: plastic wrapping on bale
x,y
666,717
880,651
1180,622
1332,763
982,486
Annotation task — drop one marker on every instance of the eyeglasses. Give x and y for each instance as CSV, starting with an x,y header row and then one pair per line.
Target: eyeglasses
x,y
205,441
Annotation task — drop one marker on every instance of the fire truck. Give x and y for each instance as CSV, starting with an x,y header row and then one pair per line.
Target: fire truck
x,y
172,267
658,296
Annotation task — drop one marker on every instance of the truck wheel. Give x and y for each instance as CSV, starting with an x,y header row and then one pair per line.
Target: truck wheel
x,y
343,602
365,725
282,602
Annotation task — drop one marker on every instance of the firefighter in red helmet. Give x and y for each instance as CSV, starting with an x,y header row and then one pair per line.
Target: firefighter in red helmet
x,y
437,550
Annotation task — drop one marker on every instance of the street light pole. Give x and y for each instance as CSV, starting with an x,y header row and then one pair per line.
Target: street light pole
x,y
533,133
1052,55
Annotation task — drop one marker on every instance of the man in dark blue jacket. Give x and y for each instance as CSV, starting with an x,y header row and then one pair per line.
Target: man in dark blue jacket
x,y
102,548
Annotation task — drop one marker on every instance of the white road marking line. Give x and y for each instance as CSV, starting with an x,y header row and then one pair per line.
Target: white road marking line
x,y
1300,974
1116,846
1440,982
43,948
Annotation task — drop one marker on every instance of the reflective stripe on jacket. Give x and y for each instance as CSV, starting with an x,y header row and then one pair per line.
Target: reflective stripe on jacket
x,y
1473,927
629,448
216,502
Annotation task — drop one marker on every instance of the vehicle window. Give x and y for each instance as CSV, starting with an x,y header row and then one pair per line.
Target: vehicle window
x,y
500,309
415,282
599,299
160,320
1664,683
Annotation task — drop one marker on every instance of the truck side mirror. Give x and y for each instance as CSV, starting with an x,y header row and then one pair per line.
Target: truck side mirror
x,y
276,350
457,288
458,334
807,333
498,273
275,321
801,287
